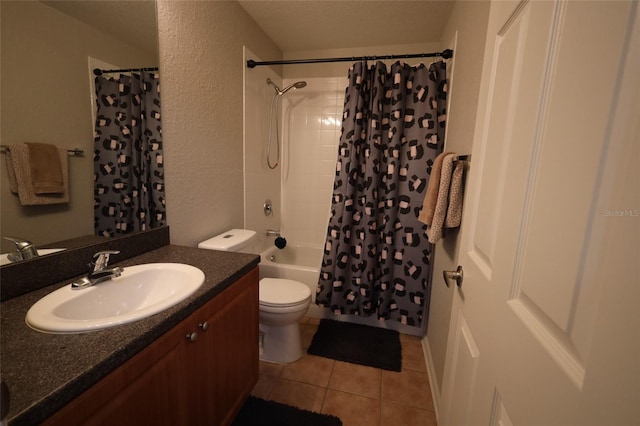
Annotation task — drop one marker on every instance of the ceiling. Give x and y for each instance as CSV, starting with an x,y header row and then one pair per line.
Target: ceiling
x,y
131,21
293,25
328,24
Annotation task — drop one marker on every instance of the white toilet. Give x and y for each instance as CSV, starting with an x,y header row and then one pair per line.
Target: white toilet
x,y
282,303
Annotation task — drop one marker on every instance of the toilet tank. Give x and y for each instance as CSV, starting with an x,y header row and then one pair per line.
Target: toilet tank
x,y
233,240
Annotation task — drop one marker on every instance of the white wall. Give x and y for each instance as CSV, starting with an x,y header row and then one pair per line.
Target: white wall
x,y
312,119
300,187
260,182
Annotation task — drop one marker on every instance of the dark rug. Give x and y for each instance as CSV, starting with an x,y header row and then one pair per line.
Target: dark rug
x,y
358,344
259,412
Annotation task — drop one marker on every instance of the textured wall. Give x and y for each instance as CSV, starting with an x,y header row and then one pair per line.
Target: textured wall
x,y
467,27
202,106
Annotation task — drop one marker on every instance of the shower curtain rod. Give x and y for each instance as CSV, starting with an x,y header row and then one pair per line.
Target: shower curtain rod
x,y
74,152
98,71
446,54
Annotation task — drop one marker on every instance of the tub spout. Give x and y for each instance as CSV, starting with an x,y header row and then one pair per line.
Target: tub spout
x,y
273,233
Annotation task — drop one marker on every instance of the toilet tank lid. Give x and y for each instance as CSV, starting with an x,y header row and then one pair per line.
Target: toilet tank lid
x,y
232,240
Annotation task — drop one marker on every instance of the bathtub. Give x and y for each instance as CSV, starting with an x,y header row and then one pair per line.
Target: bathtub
x,y
299,263
302,263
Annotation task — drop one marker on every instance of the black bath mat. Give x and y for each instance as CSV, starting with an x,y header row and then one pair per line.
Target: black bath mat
x,y
358,344
259,412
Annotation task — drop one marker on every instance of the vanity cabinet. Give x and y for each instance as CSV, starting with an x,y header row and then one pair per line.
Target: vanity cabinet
x,y
198,373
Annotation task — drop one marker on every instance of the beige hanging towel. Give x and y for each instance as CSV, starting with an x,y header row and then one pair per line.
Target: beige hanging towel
x,y
444,205
431,195
13,182
454,211
46,170
38,174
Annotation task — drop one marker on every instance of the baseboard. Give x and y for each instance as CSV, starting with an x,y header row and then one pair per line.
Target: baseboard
x,y
431,371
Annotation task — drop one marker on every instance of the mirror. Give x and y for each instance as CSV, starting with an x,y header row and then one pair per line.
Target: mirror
x,y
46,96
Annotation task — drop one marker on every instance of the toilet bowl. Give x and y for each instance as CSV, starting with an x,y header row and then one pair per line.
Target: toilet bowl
x,y
282,303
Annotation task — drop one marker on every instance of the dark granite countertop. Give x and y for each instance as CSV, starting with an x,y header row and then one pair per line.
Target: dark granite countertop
x,y
46,371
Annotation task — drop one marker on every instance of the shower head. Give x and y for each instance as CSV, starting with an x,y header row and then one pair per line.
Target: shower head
x,y
296,85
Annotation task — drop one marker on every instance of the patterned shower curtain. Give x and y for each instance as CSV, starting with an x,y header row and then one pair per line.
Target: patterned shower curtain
x,y
377,258
128,161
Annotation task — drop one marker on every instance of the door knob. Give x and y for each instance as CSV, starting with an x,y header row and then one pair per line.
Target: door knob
x,y
456,275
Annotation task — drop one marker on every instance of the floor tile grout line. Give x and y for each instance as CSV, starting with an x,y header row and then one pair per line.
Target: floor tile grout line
x,y
354,393
326,389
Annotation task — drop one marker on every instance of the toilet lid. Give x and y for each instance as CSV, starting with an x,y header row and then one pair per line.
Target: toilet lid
x,y
282,292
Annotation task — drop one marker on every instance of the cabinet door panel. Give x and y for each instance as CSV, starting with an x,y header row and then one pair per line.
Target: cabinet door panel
x,y
232,348
159,396
143,387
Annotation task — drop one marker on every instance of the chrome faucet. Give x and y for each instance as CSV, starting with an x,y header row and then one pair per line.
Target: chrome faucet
x,y
98,271
273,233
24,249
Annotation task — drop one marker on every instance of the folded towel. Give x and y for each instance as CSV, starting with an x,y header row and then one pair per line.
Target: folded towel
x,y
431,195
45,168
434,232
21,180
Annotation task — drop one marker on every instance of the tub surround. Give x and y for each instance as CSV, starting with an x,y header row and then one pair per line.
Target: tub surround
x,y
45,270
46,371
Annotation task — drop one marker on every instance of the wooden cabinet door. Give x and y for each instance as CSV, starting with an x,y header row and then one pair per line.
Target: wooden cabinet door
x,y
231,355
159,395
153,385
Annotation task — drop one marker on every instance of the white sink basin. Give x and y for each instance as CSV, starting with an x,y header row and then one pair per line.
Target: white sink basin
x,y
4,257
139,292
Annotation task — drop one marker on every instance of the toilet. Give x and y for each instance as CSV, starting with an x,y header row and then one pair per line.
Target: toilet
x,y
282,303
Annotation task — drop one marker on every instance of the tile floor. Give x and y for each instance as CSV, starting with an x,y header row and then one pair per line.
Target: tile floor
x,y
359,395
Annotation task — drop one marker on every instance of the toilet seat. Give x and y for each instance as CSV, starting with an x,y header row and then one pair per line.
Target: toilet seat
x,y
279,292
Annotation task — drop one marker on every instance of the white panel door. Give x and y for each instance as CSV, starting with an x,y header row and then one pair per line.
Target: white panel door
x,y
545,327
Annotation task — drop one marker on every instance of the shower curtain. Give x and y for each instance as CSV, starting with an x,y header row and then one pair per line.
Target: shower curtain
x,y
128,160
376,257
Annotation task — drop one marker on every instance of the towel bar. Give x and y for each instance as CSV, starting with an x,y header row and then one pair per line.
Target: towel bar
x,y
74,152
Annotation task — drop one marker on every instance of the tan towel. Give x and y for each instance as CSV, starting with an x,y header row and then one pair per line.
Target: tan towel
x,y
434,232
431,195
13,183
21,180
45,168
